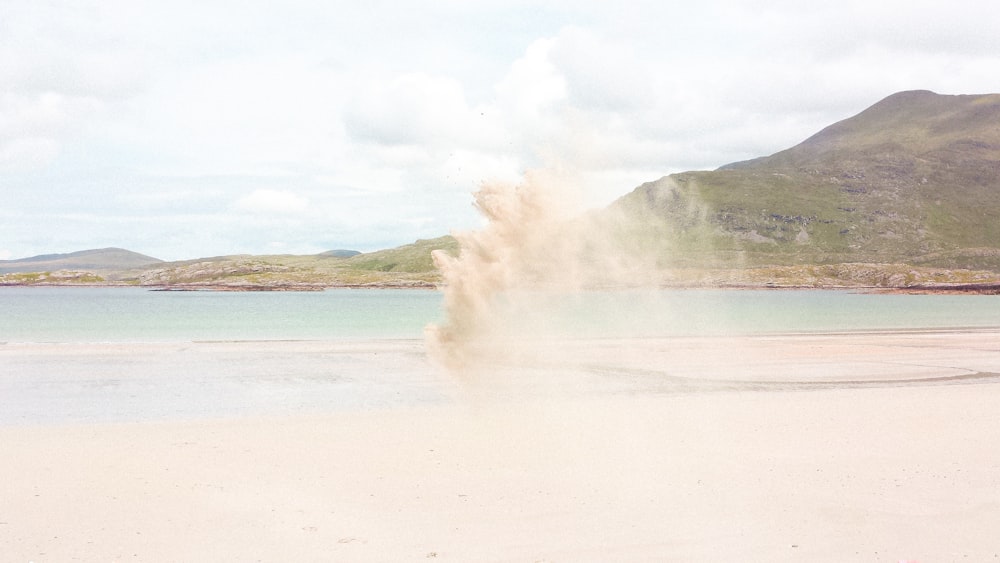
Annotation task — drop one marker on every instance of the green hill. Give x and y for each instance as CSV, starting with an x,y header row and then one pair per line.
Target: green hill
x,y
102,259
410,258
913,179
405,266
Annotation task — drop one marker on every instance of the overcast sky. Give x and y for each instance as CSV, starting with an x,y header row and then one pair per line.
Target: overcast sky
x,y
184,129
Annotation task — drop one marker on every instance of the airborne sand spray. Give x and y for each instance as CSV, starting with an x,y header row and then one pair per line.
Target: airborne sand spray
x,y
535,242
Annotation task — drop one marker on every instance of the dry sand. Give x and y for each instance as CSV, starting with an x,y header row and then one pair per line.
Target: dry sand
x,y
859,447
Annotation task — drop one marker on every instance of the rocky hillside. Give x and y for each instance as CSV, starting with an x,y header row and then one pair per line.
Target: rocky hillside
x,y
913,179
406,266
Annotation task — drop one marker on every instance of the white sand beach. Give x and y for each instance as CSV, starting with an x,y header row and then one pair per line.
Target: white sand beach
x,y
835,447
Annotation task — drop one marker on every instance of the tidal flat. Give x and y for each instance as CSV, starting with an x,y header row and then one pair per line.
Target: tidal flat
x,y
871,445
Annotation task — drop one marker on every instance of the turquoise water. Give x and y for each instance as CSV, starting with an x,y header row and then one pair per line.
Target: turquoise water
x,y
63,314
184,355
735,312
245,354
101,314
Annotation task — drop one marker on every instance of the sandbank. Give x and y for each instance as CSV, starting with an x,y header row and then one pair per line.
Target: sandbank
x,y
823,447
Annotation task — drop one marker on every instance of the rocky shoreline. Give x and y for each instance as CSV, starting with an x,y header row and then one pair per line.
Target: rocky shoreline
x,y
259,275
923,289
945,289
291,287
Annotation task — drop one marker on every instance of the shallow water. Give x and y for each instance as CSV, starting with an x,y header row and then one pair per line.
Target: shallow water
x,y
709,312
65,383
102,314
61,314
128,354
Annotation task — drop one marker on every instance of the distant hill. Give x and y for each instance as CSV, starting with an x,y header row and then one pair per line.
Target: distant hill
x,y
914,179
102,259
405,266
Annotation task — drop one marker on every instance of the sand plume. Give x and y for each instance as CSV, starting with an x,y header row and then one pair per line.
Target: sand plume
x,y
535,245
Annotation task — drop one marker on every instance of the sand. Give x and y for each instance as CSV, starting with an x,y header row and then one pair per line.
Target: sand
x,y
838,447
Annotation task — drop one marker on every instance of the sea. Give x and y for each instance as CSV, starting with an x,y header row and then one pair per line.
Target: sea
x,y
131,314
98,355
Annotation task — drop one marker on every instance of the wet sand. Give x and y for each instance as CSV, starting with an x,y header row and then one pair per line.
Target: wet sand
x,y
836,447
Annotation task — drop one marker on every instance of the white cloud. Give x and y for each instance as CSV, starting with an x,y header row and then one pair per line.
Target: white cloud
x,y
602,75
412,109
273,202
33,127
463,169
359,125
240,117
27,153
529,94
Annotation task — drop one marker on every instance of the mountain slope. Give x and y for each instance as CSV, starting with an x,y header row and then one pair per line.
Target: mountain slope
x,y
915,178
410,258
101,259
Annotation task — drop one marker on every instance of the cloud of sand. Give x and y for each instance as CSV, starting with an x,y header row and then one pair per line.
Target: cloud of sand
x,y
536,245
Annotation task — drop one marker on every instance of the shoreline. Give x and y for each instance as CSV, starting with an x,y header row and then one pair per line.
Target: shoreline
x,y
237,288
986,288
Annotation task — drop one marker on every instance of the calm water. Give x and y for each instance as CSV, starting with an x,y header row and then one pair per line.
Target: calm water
x,y
86,314
190,355
46,314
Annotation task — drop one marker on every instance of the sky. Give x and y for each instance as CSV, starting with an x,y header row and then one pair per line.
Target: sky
x,y
188,129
